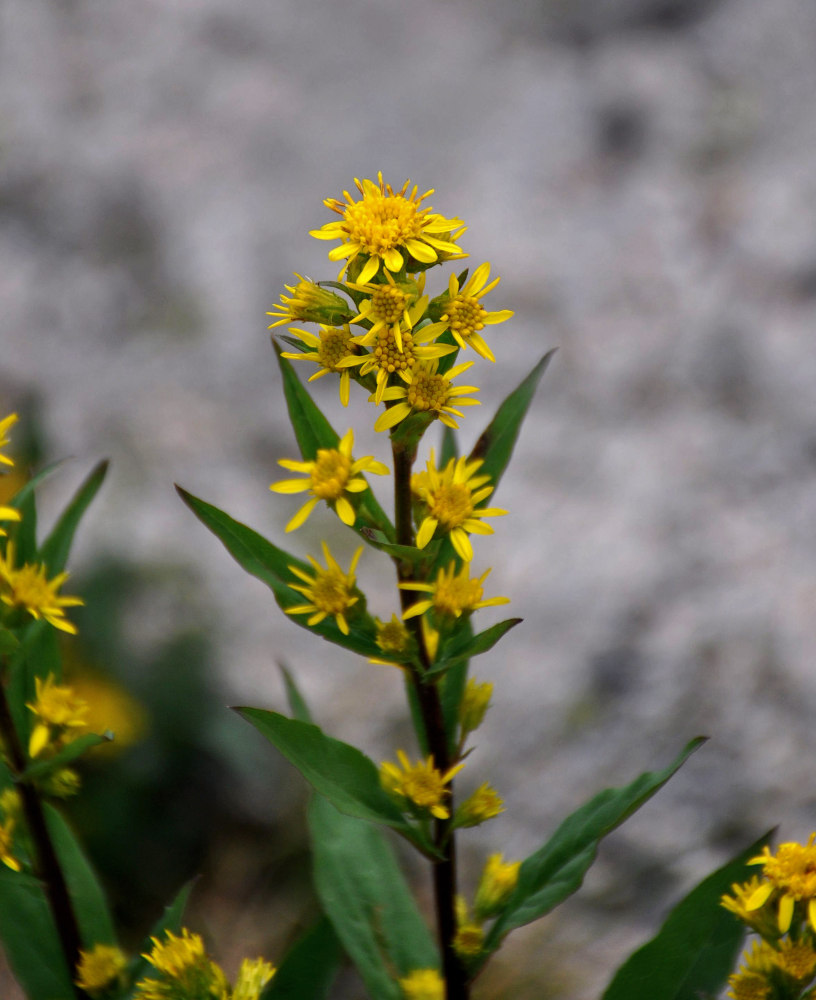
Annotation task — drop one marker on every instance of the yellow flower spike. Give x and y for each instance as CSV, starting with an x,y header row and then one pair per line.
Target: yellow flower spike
x,y
427,391
790,873
253,976
331,346
309,303
332,474
420,784
5,424
464,314
329,591
28,588
56,707
386,228
452,593
423,984
451,496
481,806
498,881
100,967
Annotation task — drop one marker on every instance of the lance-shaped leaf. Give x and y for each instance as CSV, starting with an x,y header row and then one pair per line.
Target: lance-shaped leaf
x,y
313,431
54,550
557,870
364,894
87,897
30,938
496,444
341,772
270,564
465,646
695,949
309,968
297,703
171,920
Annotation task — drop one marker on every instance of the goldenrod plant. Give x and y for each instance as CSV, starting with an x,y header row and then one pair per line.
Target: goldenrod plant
x,y
403,340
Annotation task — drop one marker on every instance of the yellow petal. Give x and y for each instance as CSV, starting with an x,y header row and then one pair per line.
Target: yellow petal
x,y
345,511
426,532
302,514
785,913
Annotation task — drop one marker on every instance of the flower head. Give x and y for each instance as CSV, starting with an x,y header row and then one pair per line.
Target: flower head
x,y
5,424
395,641
420,784
452,593
789,876
388,305
253,976
100,967
309,303
451,497
29,588
427,391
423,984
465,316
481,806
752,982
60,715
329,591
474,704
331,346
332,474
499,879
388,229
796,959
185,971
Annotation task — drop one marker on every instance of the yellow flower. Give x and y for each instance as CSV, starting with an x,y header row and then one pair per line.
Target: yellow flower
x,y
331,346
187,973
481,806
329,591
451,497
453,593
475,703
499,879
797,959
737,902
392,355
100,967
252,978
427,391
468,940
465,316
57,708
389,229
29,588
332,474
745,985
387,305
7,845
5,424
421,783
309,303
423,984
394,639
790,873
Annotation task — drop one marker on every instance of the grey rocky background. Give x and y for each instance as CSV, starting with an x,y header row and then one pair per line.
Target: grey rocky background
x,y
642,173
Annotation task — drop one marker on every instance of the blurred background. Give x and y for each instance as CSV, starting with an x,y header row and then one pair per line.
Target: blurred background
x,y
642,174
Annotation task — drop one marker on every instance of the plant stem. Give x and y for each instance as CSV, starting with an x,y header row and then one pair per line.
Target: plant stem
x,y
46,865
444,870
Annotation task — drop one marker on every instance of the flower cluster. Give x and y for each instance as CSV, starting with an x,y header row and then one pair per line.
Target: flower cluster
x,y
498,880
183,971
780,907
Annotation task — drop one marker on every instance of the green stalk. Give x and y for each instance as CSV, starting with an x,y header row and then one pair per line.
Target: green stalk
x,y
444,869
46,864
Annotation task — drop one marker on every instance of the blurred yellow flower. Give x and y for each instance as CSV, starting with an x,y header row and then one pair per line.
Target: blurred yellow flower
x,y
29,588
790,873
5,424
452,594
423,984
100,967
421,783
60,715
253,976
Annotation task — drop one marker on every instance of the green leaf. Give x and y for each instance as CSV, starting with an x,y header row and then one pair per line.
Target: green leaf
x,y
38,655
557,869
54,550
695,949
466,646
313,431
30,938
90,905
449,448
170,920
341,772
496,444
297,703
309,968
8,642
270,564
76,748
364,894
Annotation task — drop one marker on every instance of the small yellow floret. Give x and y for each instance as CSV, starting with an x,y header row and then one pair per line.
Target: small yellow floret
x,y
329,348
253,976
499,879
427,391
100,967
420,784
452,594
61,715
481,806
329,591
309,303
790,873
29,588
423,984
